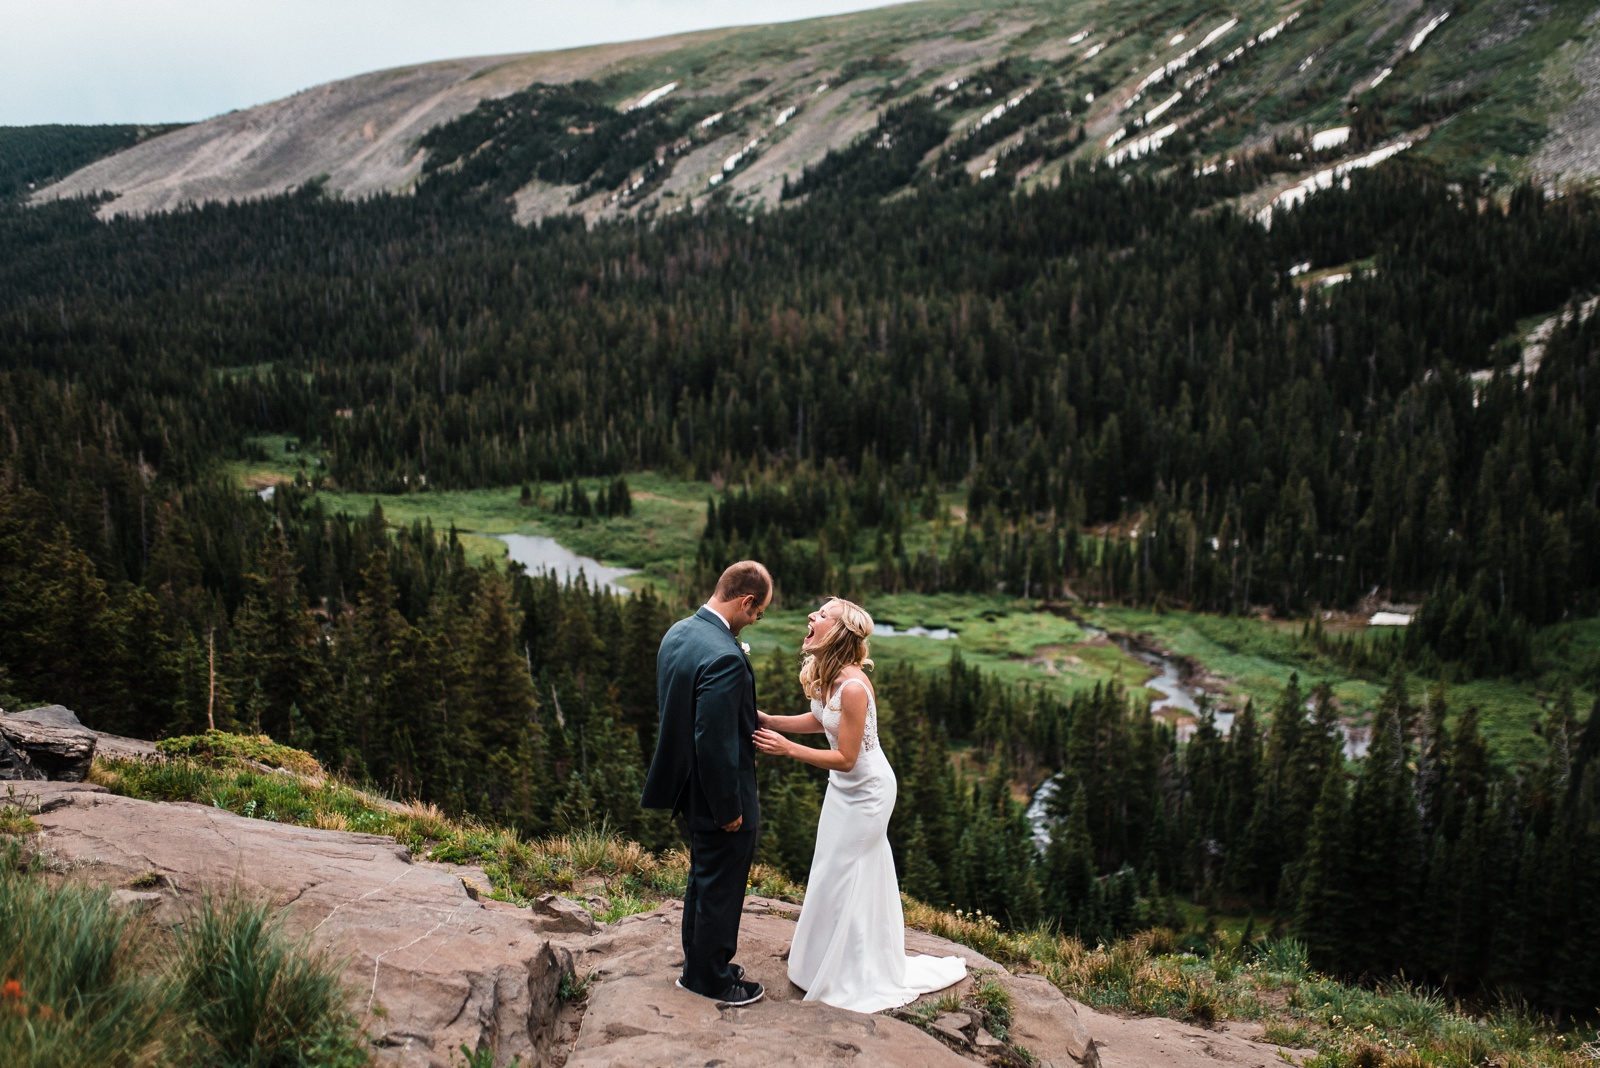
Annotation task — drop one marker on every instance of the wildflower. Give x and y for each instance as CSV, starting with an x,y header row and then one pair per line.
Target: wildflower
x,y
11,998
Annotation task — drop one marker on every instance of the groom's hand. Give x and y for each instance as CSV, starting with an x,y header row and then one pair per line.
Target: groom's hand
x,y
734,826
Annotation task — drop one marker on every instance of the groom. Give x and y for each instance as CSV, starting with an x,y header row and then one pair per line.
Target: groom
x,y
705,766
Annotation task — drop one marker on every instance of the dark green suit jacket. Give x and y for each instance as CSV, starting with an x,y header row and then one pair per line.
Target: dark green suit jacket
x,y
705,760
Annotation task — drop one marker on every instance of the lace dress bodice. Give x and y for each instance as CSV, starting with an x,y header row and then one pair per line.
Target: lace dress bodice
x,y
829,713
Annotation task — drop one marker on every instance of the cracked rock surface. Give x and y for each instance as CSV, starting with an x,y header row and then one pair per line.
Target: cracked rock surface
x,y
430,969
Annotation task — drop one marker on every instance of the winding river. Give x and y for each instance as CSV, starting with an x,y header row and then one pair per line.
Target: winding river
x,y
1178,701
538,554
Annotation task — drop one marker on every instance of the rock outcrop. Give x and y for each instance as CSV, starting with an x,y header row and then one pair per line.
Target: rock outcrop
x,y
14,767
431,968
52,742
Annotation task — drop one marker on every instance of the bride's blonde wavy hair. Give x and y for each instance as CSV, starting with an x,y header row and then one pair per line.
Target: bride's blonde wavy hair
x,y
844,645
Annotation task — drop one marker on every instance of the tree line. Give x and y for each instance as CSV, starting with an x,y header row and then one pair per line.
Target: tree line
x,y
522,700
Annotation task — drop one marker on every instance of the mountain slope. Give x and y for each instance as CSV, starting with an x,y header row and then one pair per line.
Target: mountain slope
x,y
1500,87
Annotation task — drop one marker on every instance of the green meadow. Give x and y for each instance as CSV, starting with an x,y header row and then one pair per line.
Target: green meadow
x,y
1017,641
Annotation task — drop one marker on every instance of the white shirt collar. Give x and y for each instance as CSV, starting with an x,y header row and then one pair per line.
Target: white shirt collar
x,y
719,616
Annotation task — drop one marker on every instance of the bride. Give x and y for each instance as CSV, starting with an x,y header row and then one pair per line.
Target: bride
x,y
850,945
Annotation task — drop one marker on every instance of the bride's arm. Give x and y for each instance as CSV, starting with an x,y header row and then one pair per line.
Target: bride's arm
x,y
804,723
852,725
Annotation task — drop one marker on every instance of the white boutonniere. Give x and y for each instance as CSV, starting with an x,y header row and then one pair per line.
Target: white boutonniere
x,y
746,647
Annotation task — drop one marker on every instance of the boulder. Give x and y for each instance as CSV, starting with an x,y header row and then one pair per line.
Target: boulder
x,y
953,1025
52,740
1047,1022
115,747
14,767
554,914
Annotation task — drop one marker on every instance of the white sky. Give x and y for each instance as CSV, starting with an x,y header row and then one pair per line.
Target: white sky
x,y
94,61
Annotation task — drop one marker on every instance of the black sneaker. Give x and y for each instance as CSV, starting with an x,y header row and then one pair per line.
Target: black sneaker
x,y
736,969
740,993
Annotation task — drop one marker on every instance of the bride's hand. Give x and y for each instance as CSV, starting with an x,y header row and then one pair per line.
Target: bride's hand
x,y
771,742
763,719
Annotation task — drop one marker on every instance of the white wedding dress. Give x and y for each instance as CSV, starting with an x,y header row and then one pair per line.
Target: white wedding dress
x,y
849,948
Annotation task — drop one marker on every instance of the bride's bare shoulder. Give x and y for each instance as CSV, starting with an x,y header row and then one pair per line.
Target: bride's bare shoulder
x,y
854,672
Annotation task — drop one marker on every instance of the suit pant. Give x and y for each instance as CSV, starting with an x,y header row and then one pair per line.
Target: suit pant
x,y
719,870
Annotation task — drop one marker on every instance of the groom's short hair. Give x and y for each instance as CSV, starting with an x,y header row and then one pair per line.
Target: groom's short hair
x,y
747,578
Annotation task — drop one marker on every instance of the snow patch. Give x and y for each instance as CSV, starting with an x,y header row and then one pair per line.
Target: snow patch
x,y
1143,146
1000,109
1326,179
1422,34
1162,108
784,116
732,162
1171,67
1209,39
1266,35
651,97
1330,138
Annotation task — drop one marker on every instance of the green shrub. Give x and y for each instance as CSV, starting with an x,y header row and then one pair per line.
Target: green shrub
x,y
14,819
220,747
574,988
995,1002
1286,959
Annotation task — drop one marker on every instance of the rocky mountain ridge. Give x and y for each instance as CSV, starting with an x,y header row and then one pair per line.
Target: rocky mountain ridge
x,y
433,966
1013,92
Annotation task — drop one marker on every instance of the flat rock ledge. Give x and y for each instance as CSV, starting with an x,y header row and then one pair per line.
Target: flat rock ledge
x,y
431,968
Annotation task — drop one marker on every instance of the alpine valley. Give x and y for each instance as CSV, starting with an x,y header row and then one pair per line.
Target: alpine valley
x,y
1204,400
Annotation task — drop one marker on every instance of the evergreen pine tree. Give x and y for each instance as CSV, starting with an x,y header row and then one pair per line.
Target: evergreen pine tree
x,y
1385,849
1069,864
1323,912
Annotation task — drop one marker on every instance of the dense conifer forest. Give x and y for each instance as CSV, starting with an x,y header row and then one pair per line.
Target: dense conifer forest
x,y
1138,398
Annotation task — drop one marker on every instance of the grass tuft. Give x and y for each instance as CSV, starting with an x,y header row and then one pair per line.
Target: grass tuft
x,y
14,820
83,985
260,999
